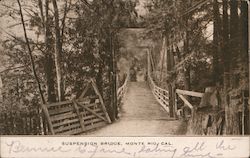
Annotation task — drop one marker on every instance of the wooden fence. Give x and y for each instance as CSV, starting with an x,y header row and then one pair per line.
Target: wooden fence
x,y
62,118
121,90
182,95
77,116
161,95
74,117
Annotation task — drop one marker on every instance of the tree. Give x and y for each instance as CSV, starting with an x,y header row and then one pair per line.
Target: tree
x,y
48,60
216,43
58,53
225,46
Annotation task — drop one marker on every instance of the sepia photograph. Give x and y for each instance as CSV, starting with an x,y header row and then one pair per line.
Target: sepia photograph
x,y
124,68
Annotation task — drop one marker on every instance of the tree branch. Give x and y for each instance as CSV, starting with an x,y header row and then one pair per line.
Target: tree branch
x,y
30,53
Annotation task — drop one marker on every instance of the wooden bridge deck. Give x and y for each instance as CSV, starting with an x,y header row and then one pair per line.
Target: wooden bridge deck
x,y
141,115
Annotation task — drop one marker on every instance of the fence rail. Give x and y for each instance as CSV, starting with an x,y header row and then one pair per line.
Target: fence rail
x,y
122,90
161,95
75,117
182,95
78,115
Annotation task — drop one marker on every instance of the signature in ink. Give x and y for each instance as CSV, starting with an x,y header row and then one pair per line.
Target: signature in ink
x,y
97,150
157,149
222,146
18,147
196,151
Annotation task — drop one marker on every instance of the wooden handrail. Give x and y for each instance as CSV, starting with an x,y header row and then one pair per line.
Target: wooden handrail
x,y
186,102
158,92
189,93
162,95
181,94
121,90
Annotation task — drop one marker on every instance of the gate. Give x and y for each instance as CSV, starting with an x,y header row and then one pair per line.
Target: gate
x,y
80,115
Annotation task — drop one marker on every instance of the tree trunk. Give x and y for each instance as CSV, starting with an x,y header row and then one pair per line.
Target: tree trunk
x,y
49,66
113,77
99,79
216,44
170,66
244,61
42,105
231,111
226,54
58,53
234,29
244,30
186,49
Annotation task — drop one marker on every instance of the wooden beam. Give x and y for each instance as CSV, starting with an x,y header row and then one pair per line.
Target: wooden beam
x,y
152,61
189,93
85,91
79,115
185,101
47,116
59,103
91,111
101,100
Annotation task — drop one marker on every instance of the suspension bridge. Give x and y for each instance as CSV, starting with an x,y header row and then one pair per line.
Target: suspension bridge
x,y
144,109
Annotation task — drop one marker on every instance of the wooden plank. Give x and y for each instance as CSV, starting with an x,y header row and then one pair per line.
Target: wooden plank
x,y
63,116
72,131
85,90
92,116
58,103
166,102
92,111
119,90
161,103
93,121
88,113
87,105
101,100
79,130
60,111
67,128
65,122
159,88
79,115
189,93
185,101
97,125
65,110
46,113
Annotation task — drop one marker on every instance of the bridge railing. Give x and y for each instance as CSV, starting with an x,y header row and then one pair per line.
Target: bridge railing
x,y
121,90
182,95
163,96
160,94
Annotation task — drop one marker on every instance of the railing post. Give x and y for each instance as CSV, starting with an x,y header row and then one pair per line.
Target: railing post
x,y
171,100
175,101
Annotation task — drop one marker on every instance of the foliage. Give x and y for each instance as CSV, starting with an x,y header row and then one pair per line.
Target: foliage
x,y
188,29
86,29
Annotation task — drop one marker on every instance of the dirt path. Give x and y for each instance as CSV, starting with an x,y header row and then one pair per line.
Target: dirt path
x,y
141,115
